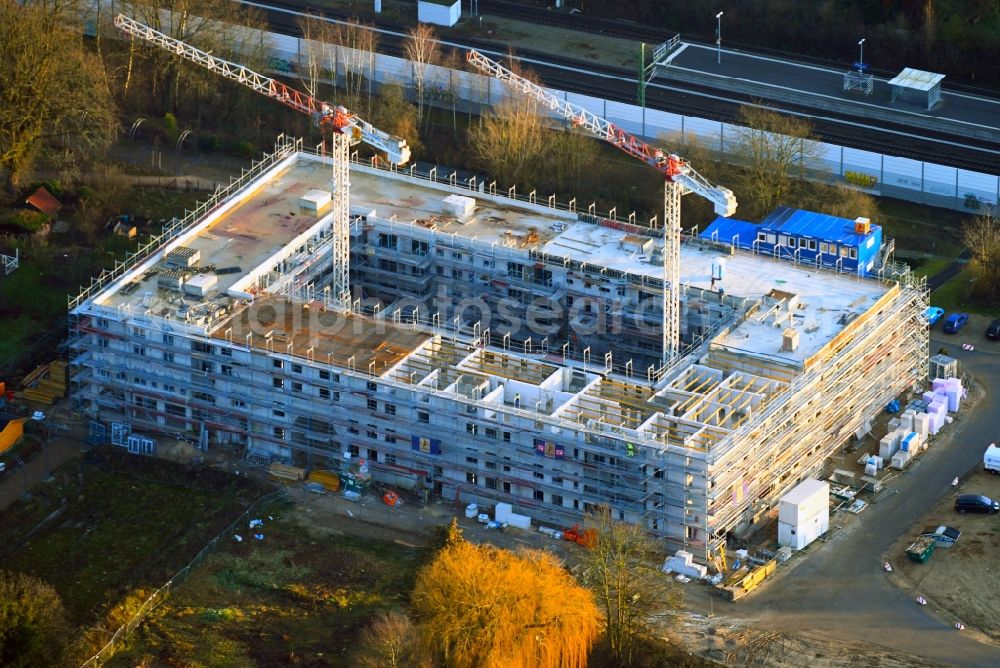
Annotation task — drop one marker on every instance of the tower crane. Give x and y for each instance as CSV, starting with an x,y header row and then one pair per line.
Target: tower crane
x,y
345,129
679,176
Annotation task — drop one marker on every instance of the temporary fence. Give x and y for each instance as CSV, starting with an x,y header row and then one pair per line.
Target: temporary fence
x,y
161,594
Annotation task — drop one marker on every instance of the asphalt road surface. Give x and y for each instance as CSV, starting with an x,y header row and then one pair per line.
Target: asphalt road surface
x,y
841,591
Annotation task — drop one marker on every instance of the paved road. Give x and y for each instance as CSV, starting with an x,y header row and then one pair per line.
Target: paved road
x,y
951,271
841,591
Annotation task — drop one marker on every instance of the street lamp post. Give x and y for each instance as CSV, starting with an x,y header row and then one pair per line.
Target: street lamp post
x,y
718,38
861,56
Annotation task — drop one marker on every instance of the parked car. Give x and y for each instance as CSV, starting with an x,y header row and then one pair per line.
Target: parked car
x,y
976,503
993,331
933,314
955,322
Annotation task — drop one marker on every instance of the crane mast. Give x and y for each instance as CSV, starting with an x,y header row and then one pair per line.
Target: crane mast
x,y
345,128
679,177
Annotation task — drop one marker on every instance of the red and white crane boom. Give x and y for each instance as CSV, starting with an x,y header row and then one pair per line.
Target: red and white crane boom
x,y
672,166
678,174
336,118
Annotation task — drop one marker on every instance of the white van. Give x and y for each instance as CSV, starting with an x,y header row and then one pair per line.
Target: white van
x,y
991,459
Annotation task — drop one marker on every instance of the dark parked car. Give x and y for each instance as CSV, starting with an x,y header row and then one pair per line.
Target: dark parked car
x,y
976,503
955,322
993,331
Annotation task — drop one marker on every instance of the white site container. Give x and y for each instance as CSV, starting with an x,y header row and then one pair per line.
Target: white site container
x,y
804,501
798,536
439,13
804,514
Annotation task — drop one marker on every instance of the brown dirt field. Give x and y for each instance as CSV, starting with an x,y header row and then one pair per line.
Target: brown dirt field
x,y
961,583
732,643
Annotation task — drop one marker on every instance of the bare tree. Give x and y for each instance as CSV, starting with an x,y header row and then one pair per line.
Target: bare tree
x,y
631,590
395,115
226,29
55,96
569,155
982,237
773,149
390,642
929,29
453,62
509,142
356,43
33,623
422,49
317,62
840,200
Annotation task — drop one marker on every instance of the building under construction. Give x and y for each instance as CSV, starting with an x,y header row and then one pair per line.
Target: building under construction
x,y
493,349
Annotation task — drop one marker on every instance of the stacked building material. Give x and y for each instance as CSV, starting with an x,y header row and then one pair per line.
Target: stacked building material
x,y
504,513
682,563
48,385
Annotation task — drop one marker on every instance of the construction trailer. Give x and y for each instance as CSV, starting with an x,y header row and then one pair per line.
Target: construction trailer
x,y
511,355
804,514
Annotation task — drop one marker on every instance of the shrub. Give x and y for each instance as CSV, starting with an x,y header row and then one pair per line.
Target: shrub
x,y
25,219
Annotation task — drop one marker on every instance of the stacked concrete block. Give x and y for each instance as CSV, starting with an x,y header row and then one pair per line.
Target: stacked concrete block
x,y
900,460
888,445
906,420
683,562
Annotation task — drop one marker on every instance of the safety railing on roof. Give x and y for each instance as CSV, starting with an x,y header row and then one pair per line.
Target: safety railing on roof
x,y
283,147
442,176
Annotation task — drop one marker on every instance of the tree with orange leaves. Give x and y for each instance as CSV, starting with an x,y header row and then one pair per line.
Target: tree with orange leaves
x,y
484,607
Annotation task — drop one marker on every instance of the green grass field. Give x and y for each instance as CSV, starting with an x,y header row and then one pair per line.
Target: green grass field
x,y
124,522
955,296
291,598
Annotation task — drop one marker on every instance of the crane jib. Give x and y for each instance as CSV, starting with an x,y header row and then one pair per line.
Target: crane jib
x,y
325,115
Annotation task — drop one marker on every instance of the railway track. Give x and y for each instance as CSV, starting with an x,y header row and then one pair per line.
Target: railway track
x,y
619,84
